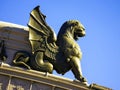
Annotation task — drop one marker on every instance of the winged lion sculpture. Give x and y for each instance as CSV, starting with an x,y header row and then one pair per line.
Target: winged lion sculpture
x,y
50,53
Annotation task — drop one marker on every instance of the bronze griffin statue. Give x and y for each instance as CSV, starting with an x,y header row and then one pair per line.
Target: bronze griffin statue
x,y
48,53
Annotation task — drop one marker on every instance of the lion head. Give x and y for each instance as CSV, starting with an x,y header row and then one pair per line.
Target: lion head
x,y
73,29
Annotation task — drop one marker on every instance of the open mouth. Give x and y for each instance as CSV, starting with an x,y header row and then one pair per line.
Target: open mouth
x,y
81,34
78,35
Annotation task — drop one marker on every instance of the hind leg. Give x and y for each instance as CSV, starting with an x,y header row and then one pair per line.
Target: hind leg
x,y
39,64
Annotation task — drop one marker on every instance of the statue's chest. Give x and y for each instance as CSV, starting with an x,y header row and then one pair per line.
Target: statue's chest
x,y
70,47
76,49
75,45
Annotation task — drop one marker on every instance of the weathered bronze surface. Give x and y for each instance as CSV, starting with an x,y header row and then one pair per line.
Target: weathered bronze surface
x,y
48,53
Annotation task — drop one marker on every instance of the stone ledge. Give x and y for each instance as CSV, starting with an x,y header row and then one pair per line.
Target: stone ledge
x,y
34,80
41,78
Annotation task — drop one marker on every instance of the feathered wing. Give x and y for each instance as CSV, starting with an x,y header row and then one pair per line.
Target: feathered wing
x,y
41,36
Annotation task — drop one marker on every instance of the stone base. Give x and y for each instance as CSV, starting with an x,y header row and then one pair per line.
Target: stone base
x,y
15,78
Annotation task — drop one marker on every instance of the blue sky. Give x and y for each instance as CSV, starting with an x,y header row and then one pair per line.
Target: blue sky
x,y
100,46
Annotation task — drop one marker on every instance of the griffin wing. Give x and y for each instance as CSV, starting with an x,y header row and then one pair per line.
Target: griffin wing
x,y
41,34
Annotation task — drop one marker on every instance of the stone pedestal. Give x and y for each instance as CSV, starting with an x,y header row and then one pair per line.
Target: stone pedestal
x,y
15,38
15,78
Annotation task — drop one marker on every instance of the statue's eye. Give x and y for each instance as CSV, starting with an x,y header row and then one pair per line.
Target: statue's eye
x,y
75,24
